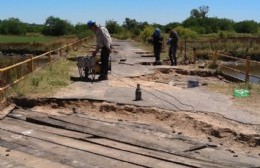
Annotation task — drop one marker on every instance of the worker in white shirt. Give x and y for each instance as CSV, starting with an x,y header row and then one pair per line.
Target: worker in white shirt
x,y
104,41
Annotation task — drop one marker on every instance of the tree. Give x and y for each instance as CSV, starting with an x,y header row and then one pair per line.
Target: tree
x,y
247,26
12,26
168,27
203,11
195,13
200,13
82,30
113,27
34,28
133,26
55,26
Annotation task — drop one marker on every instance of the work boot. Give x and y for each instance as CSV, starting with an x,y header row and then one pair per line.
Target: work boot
x,y
102,77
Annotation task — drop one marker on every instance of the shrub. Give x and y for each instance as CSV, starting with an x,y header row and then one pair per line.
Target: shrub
x,y
146,33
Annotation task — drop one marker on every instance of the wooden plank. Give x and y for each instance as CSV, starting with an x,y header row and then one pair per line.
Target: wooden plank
x,y
22,114
203,162
225,157
58,153
123,124
62,132
6,110
123,156
137,139
124,135
117,145
139,127
30,160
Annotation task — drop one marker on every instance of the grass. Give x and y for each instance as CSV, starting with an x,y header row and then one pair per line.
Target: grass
x,y
26,39
46,81
252,101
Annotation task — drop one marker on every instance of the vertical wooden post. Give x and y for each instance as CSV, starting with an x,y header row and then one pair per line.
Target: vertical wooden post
x,y
49,56
194,55
67,49
60,52
215,57
247,69
1,95
181,47
31,63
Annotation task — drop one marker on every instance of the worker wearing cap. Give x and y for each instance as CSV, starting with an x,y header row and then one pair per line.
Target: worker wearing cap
x,y
157,41
104,41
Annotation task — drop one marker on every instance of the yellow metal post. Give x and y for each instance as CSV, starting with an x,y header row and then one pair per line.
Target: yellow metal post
x,y
247,69
31,63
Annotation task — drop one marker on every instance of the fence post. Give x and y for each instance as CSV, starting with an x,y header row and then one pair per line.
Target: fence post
x,y
194,55
31,63
247,69
67,48
60,52
1,95
49,56
181,47
185,49
215,58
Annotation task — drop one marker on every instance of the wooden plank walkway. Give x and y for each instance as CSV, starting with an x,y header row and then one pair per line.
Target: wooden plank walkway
x,y
33,139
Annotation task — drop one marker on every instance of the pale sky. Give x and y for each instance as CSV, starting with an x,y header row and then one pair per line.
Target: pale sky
x,y
152,11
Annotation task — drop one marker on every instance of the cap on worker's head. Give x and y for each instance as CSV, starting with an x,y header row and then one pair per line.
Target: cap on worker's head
x,y
157,32
91,23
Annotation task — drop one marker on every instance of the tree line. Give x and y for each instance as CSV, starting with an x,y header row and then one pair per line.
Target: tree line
x,y
197,23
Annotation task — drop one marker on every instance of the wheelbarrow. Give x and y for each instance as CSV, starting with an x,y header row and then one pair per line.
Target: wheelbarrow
x,y
87,66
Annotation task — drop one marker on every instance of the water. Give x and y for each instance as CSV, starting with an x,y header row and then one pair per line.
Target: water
x,y
254,70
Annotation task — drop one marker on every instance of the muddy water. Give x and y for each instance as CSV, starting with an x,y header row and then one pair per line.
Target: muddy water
x,y
254,70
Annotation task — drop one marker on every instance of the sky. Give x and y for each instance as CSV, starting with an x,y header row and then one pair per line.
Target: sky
x,y
152,11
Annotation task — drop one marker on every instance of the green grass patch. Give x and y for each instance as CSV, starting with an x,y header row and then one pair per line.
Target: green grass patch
x,y
46,81
26,39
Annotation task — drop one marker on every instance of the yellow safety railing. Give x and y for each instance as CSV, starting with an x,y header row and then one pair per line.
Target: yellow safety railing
x,y
30,63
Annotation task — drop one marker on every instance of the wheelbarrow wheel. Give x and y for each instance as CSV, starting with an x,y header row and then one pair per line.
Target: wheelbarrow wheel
x,y
86,72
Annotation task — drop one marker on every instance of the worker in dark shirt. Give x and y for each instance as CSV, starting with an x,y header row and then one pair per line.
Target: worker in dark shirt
x,y
173,45
157,41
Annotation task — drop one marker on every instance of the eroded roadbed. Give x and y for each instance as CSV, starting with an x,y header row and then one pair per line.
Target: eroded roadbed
x,y
54,137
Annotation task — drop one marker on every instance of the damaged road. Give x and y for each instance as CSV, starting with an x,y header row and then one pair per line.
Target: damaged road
x,y
100,125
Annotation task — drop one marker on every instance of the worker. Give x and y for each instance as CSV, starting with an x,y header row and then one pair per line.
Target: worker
x,y
103,41
173,45
157,41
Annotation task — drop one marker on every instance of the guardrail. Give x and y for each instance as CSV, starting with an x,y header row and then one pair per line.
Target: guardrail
x,y
13,74
216,56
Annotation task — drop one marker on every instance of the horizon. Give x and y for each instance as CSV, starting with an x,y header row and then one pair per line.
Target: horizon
x,y
152,11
